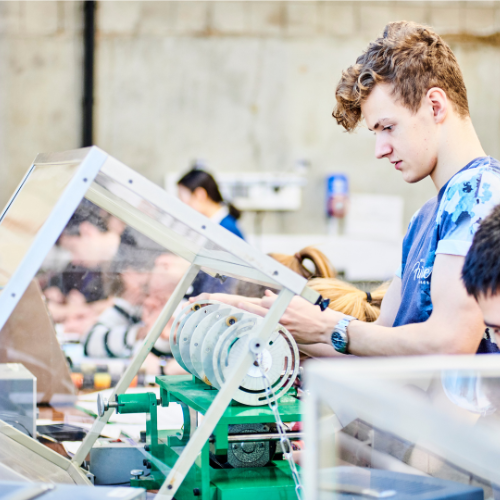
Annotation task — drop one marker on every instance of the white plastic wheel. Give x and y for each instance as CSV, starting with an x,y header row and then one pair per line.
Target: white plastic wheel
x,y
279,361
179,322
208,345
190,326
199,335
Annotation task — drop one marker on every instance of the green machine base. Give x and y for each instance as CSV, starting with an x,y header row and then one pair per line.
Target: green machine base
x,y
241,460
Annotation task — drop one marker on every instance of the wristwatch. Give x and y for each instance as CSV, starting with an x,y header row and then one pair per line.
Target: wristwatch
x,y
339,334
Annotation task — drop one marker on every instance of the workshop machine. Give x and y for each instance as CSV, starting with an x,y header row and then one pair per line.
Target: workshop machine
x,y
54,187
245,455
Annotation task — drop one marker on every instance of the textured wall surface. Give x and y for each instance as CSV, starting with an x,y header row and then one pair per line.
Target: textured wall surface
x,y
40,90
247,86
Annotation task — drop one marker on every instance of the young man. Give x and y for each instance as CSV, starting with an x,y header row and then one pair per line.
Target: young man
x,y
481,272
409,89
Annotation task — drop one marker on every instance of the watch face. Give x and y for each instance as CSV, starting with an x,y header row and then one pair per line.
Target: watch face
x,y
339,342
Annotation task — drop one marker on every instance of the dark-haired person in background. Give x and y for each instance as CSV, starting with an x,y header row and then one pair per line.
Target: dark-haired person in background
x,y
200,191
481,276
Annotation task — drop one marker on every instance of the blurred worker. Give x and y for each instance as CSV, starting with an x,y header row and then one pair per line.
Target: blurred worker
x,y
99,247
141,294
409,89
481,272
91,245
200,191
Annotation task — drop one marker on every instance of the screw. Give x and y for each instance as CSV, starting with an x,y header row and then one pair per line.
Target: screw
x,y
137,473
146,447
196,492
235,446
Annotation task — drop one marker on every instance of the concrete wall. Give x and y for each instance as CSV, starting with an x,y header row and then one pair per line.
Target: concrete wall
x,y
40,84
244,85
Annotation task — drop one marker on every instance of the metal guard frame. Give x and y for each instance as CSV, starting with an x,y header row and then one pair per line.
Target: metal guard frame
x,y
115,187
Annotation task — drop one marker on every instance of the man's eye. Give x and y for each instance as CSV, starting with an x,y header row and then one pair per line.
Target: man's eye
x,y
389,127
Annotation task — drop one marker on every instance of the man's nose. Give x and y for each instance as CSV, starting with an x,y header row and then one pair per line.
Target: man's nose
x,y
382,147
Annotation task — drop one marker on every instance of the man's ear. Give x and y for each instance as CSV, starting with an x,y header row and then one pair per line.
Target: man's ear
x,y
439,103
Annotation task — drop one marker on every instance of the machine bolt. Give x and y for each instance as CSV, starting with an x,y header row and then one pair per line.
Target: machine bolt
x,y
146,463
196,492
235,446
146,447
137,473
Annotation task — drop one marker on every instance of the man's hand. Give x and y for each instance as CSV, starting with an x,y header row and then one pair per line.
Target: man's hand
x,y
305,321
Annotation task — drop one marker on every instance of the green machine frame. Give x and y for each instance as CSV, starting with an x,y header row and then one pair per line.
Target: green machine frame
x,y
163,447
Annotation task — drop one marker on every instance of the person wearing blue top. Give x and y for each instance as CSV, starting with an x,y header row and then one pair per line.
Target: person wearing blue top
x,y
200,191
445,225
408,88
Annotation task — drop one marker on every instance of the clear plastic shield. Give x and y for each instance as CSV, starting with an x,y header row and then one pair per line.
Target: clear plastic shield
x,y
95,262
405,424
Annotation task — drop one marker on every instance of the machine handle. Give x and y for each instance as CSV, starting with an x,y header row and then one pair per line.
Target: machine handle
x,y
103,405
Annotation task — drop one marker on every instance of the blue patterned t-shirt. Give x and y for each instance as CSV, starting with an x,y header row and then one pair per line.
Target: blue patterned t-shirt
x,y
445,224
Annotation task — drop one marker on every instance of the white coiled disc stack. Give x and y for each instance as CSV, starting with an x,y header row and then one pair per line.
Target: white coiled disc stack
x,y
208,337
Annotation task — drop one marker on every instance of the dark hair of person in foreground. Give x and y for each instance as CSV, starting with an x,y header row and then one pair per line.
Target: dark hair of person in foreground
x,y
481,271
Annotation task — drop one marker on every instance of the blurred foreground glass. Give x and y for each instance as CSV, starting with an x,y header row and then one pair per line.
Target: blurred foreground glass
x,y
372,421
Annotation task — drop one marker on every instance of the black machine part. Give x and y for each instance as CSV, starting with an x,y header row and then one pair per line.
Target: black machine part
x,y
242,454
62,432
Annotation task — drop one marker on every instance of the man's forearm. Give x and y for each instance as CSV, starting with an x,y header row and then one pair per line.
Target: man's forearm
x,y
319,350
430,337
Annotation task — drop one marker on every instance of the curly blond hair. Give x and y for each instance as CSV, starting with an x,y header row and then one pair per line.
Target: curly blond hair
x,y
411,57
322,266
348,299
